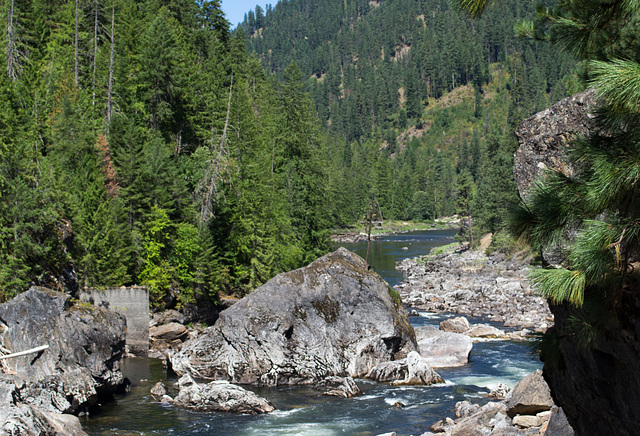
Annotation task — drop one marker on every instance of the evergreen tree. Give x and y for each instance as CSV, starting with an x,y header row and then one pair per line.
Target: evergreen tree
x,y
590,217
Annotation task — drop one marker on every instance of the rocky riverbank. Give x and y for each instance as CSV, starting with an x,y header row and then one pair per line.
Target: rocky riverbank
x,y
527,410
474,284
78,362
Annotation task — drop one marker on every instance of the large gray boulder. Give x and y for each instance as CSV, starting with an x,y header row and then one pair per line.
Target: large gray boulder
x,y
558,424
443,349
458,324
83,358
485,331
344,387
333,317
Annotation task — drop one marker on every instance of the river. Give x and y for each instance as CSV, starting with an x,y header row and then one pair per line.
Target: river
x,y
302,411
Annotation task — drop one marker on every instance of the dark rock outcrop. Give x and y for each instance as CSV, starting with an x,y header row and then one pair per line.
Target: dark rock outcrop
x,y
596,385
219,396
333,317
82,361
542,138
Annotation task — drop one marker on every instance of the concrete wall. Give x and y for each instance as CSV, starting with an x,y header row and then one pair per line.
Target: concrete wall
x,y
133,304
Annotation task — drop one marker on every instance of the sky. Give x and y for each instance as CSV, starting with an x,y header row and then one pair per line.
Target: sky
x,y
235,9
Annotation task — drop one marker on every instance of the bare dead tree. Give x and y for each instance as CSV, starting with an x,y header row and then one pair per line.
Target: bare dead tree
x,y
13,55
96,27
75,43
113,43
214,173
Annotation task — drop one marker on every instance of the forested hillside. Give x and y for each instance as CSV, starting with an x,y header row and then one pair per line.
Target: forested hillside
x,y
140,143
424,100
143,142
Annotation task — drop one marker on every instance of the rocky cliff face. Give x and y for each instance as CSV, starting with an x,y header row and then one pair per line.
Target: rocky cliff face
x,y
543,137
598,387
83,358
333,317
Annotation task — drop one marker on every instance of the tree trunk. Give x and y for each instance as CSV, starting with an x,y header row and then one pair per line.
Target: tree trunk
x,y
95,49
12,49
110,96
213,172
76,46
470,228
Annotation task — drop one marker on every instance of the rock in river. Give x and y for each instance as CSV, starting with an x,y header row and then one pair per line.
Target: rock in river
x,y
333,317
219,396
344,387
412,370
443,349
530,395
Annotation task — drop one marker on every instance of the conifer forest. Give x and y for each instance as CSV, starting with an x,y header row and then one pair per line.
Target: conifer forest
x,y
146,142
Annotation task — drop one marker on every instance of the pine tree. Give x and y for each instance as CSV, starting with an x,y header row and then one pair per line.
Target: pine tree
x,y
592,216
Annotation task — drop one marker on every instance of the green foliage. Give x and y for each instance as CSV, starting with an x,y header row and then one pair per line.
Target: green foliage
x,y
157,272
179,163
104,160
560,284
449,248
368,63
395,296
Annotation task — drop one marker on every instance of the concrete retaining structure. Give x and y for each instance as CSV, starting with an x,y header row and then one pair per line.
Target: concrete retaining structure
x,y
133,304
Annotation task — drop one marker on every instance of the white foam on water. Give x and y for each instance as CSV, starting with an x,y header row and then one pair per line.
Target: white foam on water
x,y
490,339
282,413
513,373
299,429
432,315
484,381
367,397
393,400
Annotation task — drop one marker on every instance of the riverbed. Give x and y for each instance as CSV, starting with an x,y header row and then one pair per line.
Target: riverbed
x,y
304,411
385,251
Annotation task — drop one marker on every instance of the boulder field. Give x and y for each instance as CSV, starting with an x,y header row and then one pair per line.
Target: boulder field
x,y
472,283
527,410
334,317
